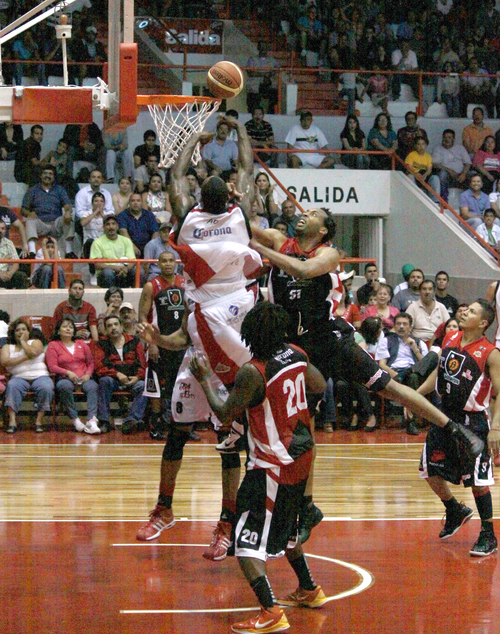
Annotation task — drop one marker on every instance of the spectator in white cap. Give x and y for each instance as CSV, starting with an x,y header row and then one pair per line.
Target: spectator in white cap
x,y
128,317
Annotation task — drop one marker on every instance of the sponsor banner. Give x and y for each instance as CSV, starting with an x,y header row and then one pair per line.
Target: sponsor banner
x,y
346,192
178,35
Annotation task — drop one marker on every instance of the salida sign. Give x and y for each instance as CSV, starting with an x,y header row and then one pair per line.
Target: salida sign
x,y
348,192
197,36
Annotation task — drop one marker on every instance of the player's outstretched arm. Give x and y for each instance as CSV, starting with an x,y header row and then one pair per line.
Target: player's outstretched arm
x,y
245,178
326,260
248,390
178,340
179,185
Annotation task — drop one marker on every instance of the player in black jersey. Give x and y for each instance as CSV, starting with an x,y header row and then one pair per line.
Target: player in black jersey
x,y
330,342
469,367
162,304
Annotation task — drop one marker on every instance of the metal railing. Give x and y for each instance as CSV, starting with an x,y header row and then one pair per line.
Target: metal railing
x,y
443,204
285,74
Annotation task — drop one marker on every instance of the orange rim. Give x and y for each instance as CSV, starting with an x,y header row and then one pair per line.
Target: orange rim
x,y
163,100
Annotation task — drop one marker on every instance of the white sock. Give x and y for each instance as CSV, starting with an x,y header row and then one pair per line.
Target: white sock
x,y
68,246
32,246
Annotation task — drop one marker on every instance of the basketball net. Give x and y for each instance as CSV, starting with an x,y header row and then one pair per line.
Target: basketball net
x,y
176,123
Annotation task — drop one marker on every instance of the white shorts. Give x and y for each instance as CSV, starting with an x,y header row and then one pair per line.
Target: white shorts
x,y
189,403
214,328
311,160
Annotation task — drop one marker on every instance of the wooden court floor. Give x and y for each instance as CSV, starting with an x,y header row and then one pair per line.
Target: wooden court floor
x,y
70,506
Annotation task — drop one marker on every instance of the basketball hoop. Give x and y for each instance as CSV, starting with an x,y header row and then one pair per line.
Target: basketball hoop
x,y
177,118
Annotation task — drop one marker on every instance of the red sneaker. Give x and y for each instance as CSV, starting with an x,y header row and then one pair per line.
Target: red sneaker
x,y
305,598
160,518
273,620
217,551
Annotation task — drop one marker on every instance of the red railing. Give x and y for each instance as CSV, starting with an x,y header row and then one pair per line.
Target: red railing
x,y
443,204
137,281
291,70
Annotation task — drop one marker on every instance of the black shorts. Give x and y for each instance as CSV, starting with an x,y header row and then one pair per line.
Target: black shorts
x,y
442,456
351,362
267,515
334,352
161,374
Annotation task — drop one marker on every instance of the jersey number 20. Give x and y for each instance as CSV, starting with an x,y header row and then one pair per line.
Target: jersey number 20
x,y
296,394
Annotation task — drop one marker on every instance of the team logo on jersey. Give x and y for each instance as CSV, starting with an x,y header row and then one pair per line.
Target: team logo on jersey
x,y
234,310
437,456
221,368
453,366
478,354
174,297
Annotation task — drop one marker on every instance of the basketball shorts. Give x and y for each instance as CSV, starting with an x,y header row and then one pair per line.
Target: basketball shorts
x,y
214,328
267,512
443,456
161,374
349,361
189,403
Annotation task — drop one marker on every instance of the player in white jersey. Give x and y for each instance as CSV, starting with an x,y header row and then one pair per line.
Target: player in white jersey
x,y
212,239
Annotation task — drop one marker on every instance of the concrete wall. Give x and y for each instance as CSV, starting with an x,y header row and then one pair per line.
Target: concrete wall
x,y
416,232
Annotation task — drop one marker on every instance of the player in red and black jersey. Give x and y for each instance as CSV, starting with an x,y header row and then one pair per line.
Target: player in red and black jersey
x,y
330,342
272,389
162,304
469,367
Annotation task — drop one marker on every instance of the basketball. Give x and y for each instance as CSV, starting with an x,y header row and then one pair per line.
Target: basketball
x,y
225,80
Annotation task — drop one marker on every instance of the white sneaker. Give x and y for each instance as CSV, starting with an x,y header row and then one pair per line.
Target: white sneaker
x,y
92,427
93,280
78,425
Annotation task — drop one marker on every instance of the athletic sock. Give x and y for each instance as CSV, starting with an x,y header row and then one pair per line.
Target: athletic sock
x,y
484,505
307,500
451,504
263,591
68,245
228,512
32,246
303,573
165,500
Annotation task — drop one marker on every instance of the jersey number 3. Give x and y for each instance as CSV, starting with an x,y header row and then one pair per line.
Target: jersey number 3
x,y
296,395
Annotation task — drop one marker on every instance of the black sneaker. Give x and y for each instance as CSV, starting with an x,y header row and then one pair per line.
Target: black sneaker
x,y
158,434
486,545
129,426
71,256
309,517
411,428
455,518
471,444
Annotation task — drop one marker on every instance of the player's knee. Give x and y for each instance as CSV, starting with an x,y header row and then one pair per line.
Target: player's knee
x,y
174,447
230,461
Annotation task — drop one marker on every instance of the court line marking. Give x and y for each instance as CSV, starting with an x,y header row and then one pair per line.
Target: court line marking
x,y
366,579
142,458
216,519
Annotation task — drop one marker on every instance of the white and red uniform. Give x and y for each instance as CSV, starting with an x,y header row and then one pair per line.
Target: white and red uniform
x,y
217,264
280,457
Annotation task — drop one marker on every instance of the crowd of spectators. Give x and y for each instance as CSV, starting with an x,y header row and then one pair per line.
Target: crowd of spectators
x,y
401,329
442,38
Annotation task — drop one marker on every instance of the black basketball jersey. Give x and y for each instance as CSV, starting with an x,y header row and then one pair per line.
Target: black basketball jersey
x,y
309,302
167,310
